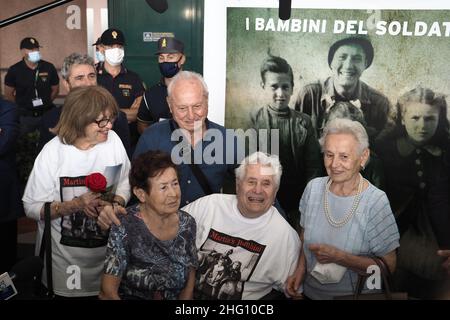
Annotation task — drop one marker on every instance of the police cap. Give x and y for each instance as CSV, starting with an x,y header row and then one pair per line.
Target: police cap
x,y
112,36
170,45
29,43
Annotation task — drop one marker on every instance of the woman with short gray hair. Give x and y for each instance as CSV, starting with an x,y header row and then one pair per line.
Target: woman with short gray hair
x,y
373,170
346,126
344,218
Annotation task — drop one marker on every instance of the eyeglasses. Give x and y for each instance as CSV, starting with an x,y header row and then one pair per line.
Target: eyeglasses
x,y
104,122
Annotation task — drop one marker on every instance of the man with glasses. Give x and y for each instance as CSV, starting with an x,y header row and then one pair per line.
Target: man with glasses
x,y
79,71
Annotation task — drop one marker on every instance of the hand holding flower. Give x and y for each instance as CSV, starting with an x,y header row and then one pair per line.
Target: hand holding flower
x,y
89,202
96,182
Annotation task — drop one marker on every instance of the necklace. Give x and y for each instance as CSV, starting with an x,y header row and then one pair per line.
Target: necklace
x,y
349,214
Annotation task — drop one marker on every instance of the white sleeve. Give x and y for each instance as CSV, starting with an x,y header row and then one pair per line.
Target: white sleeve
x,y
42,182
290,257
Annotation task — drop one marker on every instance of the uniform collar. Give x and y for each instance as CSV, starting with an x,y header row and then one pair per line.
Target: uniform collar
x,y
162,82
102,69
406,148
37,65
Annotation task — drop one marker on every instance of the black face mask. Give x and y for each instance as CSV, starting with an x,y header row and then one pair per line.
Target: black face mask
x,y
169,69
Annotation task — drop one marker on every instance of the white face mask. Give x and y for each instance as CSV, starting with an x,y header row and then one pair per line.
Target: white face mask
x,y
114,56
34,56
100,56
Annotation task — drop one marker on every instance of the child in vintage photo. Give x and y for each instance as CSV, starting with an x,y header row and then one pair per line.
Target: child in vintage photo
x,y
415,150
298,147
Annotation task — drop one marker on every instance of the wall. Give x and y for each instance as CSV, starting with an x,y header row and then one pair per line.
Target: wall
x,y
97,22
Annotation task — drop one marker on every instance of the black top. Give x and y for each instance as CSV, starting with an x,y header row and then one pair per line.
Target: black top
x,y
125,87
418,186
51,118
154,105
25,80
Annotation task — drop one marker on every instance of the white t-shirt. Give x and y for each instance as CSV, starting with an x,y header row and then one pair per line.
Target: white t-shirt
x,y
78,245
267,247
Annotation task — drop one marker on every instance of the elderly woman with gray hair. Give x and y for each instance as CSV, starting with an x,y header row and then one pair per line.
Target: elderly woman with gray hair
x,y
344,218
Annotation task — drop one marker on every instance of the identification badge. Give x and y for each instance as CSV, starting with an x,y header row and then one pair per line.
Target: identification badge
x,y
37,102
126,92
7,288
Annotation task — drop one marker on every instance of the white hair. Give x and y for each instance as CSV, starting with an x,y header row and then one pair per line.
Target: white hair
x,y
189,76
263,159
342,126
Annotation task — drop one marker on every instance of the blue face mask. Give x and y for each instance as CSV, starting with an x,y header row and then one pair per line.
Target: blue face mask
x,y
100,56
169,69
34,56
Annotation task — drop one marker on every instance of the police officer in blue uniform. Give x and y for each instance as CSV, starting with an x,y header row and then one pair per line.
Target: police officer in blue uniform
x,y
154,105
32,84
125,85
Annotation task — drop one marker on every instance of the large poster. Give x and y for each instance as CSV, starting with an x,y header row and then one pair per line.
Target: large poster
x,y
395,59
411,47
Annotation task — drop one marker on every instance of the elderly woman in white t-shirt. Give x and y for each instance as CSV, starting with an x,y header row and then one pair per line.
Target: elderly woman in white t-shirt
x,y
344,218
85,147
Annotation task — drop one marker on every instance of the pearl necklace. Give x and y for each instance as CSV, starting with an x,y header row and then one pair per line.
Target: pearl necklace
x,y
348,215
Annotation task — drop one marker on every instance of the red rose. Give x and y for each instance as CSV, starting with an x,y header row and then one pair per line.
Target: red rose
x,y
96,182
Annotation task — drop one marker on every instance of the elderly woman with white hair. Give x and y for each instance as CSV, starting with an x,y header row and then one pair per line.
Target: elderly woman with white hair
x,y
260,238
344,218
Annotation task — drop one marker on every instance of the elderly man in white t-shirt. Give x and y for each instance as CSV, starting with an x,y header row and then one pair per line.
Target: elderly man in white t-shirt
x,y
264,243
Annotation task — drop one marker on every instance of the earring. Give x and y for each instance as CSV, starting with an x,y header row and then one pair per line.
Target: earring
x,y
362,167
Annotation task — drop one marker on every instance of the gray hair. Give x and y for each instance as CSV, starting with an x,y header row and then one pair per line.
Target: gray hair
x,y
263,159
188,76
354,128
75,58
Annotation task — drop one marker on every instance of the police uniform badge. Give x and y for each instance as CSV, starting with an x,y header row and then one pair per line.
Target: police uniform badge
x,y
43,76
32,40
114,34
164,44
126,89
